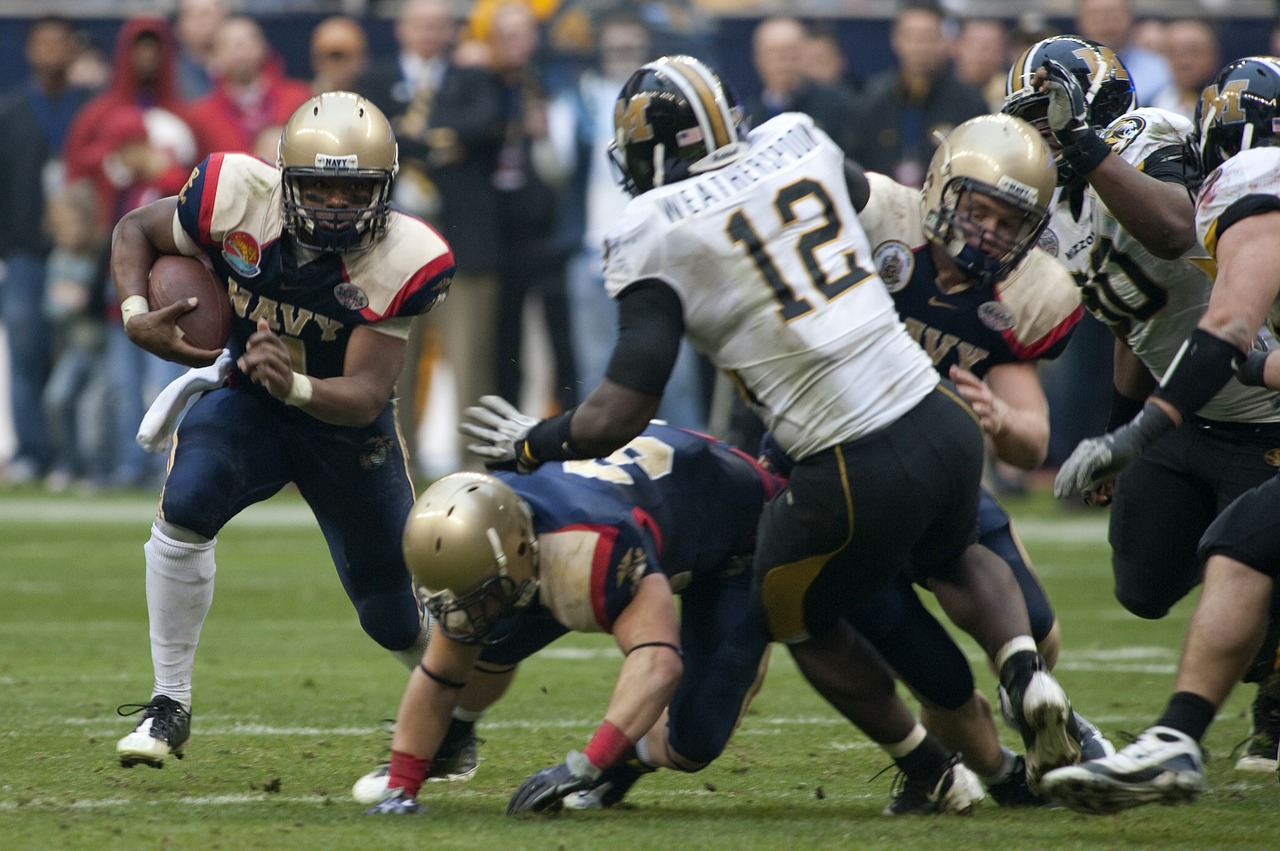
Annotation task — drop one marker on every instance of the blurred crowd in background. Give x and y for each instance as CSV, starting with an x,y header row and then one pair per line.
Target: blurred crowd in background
x,y
503,111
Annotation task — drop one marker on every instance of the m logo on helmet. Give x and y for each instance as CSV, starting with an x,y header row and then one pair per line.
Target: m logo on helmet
x,y
1226,103
1102,60
631,119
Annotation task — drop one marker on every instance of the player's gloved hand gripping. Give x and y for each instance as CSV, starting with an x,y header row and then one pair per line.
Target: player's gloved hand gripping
x,y
1068,116
545,791
1097,460
498,429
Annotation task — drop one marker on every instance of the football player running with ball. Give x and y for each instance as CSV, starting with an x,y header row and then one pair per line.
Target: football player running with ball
x,y
750,245
1238,222
323,280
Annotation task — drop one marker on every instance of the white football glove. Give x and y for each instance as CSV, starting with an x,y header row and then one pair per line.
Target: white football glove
x,y
497,427
162,417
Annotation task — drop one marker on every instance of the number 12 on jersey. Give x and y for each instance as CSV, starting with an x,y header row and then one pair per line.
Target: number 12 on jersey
x,y
790,304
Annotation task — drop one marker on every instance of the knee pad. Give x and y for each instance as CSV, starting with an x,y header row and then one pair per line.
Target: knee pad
x,y
391,620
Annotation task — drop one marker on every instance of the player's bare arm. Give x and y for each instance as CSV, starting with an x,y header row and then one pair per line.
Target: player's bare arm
x,y
610,416
1248,279
429,700
1159,214
1011,409
355,398
648,633
139,238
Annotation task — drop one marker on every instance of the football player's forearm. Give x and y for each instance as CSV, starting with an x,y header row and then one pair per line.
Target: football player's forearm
x,y
343,401
1023,440
1157,213
646,683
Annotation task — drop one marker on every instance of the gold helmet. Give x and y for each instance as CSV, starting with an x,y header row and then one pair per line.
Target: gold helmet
x,y
337,136
469,542
1005,160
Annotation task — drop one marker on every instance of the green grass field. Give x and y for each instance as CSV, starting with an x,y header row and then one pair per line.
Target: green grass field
x,y
289,697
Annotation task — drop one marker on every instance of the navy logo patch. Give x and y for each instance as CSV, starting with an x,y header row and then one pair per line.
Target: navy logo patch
x,y
1048,242
350,296
895,263
996,316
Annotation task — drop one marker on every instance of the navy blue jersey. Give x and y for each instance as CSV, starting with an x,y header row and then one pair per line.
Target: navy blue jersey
x,y
1027,316
231,210
670,501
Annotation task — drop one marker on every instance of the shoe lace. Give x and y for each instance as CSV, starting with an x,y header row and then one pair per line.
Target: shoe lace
x,y
124,710
152,709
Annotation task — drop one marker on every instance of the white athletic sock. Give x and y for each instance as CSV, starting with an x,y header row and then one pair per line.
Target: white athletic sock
x,y
470,716
179,593
642,751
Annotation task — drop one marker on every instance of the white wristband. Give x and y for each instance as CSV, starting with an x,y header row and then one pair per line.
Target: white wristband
x,y
132,306
300,393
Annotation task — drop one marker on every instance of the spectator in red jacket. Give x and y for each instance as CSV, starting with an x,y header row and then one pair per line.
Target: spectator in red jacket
x,y
143,83
251,97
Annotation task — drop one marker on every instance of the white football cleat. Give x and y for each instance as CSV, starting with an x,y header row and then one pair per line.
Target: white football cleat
x,y
372,788
1162,766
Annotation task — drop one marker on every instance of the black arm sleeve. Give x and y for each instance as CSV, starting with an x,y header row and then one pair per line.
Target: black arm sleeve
x,y
859,187
1174,164
650,325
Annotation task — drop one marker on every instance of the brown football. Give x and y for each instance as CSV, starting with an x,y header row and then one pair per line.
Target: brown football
x,y
174,278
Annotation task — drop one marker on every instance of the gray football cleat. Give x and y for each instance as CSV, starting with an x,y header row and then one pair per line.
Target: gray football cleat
x,y
1162,766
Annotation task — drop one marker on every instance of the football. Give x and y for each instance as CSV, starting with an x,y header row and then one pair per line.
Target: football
x,y
174,278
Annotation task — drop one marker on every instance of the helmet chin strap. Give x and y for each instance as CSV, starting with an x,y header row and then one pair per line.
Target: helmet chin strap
x,y
659,169
978,265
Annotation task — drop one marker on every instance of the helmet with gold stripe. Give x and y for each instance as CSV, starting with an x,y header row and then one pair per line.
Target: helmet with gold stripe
x,y
1239,110
673,118
1102,78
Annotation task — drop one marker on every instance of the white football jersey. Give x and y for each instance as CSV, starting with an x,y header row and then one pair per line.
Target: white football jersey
x,y
1069,237
774,273
1150,302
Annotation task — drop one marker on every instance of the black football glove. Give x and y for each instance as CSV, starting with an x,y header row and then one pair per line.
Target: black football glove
x,y
545,791
1099,459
